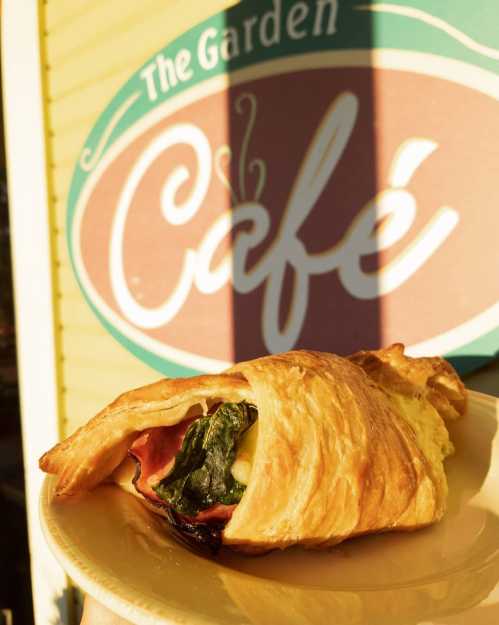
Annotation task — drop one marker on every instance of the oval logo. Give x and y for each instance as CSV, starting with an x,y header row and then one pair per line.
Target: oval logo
x,y
305,204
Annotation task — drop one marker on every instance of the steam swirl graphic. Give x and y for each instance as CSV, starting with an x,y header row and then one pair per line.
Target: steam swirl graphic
x,y
256,165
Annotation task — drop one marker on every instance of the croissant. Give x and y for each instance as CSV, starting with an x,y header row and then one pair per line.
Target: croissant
x,y
302,448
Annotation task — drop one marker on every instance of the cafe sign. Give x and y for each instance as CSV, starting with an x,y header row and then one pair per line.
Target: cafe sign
x,y
296,174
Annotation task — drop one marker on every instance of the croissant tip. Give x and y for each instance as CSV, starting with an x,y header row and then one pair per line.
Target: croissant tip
x,y
44,463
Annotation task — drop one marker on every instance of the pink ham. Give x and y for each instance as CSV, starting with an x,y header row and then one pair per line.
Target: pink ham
x,y
155,450
218,512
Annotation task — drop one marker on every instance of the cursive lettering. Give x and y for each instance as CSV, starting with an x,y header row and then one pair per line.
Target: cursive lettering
x,y
379,225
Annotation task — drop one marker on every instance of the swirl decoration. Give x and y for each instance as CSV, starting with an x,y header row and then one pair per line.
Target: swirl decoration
x,y
88,160
224,151
435,22
256,165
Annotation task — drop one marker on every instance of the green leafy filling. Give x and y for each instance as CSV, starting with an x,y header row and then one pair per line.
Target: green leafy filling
x,y
201,474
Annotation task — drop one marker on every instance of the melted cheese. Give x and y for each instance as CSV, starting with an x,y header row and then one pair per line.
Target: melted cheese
x,y
241,468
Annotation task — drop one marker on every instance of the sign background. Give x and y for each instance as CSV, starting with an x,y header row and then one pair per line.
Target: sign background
x,y
428,39
88,70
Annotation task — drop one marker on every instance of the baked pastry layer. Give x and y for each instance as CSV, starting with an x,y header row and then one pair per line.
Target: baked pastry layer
x,y
344,446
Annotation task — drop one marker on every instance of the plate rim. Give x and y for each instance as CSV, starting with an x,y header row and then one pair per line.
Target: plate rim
x,y
129,609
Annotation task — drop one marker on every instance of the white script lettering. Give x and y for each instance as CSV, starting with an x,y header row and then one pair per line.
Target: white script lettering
x,y
381,223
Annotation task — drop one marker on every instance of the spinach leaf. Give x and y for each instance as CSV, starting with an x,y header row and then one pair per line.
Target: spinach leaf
x,y
201,474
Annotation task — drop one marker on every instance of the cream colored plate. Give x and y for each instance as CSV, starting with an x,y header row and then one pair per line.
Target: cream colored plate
x,y
121,554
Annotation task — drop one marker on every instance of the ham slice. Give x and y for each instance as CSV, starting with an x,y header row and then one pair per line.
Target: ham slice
x,y
155,450
218,512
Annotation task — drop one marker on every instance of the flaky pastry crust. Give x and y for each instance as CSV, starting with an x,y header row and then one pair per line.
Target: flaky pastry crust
x,y
335,457
94,451
433,378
